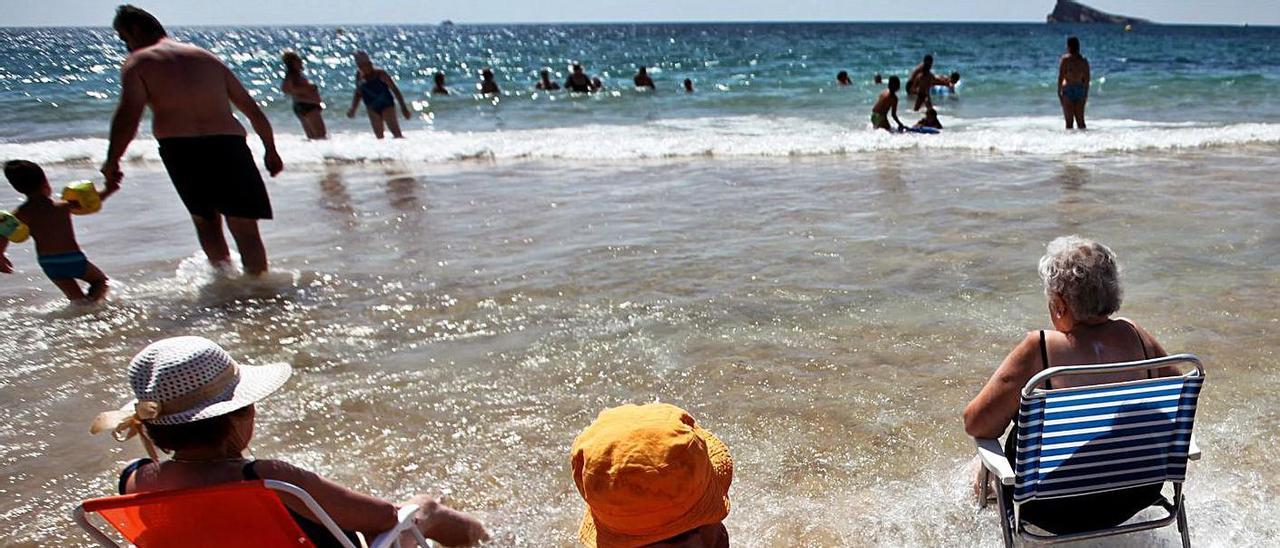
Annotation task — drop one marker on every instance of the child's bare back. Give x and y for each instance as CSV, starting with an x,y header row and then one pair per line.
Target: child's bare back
x,y
48,220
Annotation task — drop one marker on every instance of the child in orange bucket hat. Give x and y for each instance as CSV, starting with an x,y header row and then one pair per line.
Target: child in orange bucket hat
x,y
651,477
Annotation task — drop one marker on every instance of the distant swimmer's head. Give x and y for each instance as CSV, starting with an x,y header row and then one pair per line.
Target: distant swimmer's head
x,y
137,28
894,84
879,79
643,70
955,78
26,177
928,62
843,78
688,85
577,69
486,74
545,75
439,79
292,62
1073,45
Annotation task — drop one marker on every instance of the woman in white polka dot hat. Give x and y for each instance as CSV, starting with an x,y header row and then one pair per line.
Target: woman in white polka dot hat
x,y
196,402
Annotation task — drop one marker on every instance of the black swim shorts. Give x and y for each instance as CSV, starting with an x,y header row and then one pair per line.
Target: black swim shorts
x,y
216,174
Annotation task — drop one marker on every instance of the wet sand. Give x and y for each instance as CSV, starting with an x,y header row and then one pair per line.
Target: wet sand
x,y
452,328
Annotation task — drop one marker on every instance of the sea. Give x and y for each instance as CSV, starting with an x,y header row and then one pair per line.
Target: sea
x,y
459,304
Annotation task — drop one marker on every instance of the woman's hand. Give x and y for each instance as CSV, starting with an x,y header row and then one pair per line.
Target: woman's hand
x,y
405,110
351,113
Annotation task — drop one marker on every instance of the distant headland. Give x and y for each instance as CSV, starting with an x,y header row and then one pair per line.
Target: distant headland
x,y
1067,11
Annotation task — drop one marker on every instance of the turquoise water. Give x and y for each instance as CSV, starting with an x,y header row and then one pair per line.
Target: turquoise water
x,y
62,83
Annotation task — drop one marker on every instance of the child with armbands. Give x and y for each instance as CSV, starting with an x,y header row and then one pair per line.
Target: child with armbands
x,y
49,222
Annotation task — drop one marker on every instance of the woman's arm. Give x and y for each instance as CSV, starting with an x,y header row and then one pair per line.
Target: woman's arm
x,y
404,109
355,101
352,511
990,413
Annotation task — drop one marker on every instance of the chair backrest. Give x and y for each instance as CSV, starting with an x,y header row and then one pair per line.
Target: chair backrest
x,y
1091,439
244,514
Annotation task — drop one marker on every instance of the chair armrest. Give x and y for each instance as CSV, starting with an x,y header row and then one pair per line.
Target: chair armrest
x,y
992,455
1193,450
404,517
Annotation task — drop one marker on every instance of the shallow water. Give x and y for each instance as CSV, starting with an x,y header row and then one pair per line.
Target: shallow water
x,y
452,328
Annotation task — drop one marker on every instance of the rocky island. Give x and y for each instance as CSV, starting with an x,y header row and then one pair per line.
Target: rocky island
x,y
1067,11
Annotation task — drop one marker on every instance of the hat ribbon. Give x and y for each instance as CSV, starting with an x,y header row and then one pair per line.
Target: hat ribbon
x,y
125,423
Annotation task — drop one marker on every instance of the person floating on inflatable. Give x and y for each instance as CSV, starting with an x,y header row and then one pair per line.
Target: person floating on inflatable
x,y
929,124
48,221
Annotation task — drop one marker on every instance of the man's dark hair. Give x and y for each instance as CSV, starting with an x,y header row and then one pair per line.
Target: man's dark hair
x,y
210,432
955,77
1073,45
25,176
894,83
138,21
928,59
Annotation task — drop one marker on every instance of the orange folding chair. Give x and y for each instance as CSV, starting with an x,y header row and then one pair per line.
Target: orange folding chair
x,y
247,514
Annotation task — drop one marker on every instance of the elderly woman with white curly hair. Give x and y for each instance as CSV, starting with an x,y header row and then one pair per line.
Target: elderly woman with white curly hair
x,y
1082,284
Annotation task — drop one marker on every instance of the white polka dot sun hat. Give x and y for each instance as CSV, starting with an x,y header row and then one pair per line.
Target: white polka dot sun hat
x,y
185,379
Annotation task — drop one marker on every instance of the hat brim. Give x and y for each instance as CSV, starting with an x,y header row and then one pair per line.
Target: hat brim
x,y
256,382
712,508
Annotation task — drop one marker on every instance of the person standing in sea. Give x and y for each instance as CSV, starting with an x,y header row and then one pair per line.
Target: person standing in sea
x,y
190,93
1073,84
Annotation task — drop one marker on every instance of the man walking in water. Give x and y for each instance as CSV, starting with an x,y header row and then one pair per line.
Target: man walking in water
x,y
1073,84
190,93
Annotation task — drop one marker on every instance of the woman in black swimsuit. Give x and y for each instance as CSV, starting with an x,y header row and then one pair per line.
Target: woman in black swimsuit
x,y
196,402
307,104
1082,283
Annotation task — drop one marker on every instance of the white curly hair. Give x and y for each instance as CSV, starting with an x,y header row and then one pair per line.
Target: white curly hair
x,y
1085,274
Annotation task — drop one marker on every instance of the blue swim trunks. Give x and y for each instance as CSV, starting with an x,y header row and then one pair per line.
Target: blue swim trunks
x,y
61,266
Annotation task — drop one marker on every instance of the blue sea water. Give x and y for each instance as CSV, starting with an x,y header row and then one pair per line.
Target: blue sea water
x,y
761,87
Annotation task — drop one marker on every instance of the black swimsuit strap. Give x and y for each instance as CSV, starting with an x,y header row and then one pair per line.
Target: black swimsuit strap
x,y
247,471
128,472
1145,356
1044,360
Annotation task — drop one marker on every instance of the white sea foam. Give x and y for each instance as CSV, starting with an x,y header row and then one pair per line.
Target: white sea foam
x,y
736,136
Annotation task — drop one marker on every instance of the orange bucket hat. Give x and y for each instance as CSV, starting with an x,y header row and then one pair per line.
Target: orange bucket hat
x,y
648,473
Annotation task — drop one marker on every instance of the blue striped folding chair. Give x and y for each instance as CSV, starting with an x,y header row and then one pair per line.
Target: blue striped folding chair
x,y
1092,439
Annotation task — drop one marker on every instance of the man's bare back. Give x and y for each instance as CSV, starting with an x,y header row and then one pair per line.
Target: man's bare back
x,y
186,88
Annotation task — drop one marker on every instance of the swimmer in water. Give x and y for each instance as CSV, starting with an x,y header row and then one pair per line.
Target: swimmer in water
x,y
1073,84
578,82
642,79
930,119
878,80
487,85
379,93
307,104
545,83
885,105
843,78
439,88
688,85
922,81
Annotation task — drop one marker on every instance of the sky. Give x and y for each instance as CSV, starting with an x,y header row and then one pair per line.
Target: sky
x,y
331,12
